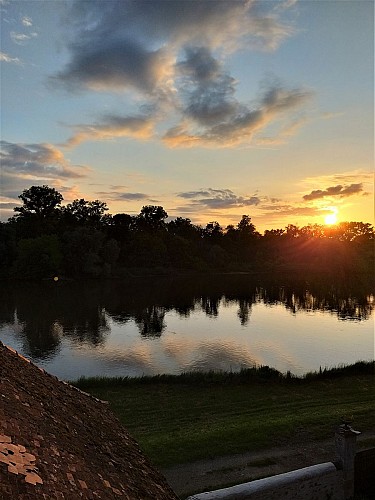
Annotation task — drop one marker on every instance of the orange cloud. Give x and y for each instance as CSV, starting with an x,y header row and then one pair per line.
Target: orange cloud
x,y
37,161
113,126
338,190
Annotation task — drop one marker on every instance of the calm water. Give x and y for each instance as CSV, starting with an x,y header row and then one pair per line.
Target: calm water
x,y
149,326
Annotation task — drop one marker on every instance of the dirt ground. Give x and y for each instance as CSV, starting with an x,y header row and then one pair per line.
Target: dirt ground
x,y
222,472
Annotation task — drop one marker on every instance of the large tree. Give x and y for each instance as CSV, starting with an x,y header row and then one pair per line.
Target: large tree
x,y
87,212
351,231
42,201
213,230
246,228
151,217
184,228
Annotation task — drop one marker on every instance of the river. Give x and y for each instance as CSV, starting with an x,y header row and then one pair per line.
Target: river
x,y
137,326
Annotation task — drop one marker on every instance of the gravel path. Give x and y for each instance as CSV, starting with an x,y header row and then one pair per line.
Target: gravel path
x,y
206,475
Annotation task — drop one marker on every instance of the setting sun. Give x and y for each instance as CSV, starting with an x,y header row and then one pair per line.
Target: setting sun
x,y
330,219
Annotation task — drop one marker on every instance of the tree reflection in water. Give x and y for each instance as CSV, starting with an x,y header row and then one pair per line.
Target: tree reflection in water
x,y
244,311
151,321
47,312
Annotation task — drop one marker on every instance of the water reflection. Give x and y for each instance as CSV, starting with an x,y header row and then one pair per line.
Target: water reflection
x,y
150,321
41,316
223,356
44,313
244,311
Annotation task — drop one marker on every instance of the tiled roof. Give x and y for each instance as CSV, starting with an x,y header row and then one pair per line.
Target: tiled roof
x,y
57,442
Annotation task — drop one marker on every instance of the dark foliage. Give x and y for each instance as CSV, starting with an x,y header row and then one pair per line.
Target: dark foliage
x,y
45,239
257,374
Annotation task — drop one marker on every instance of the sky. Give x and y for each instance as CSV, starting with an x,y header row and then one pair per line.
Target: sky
x,y
212,109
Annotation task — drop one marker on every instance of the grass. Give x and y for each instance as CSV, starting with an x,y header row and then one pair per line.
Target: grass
x,y
179,419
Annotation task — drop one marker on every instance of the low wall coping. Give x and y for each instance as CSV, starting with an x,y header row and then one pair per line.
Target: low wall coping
x,y
242,491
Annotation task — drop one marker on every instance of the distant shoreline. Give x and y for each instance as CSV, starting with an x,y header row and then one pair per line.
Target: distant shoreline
x,y
245,375
134,273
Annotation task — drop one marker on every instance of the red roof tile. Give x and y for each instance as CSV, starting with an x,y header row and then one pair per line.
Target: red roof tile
x,y
57,442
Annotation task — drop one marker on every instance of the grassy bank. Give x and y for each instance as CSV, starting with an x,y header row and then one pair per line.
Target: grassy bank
x,y
179,419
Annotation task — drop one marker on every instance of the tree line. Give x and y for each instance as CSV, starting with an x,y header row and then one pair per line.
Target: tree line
x,y
45,239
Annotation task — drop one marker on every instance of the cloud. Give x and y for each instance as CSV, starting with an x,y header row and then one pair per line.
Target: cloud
x,y
22,38
218,199
116,66
6,206
285,4
199,64
173,54
138,127
338,190
7,210
349,177
229,206
134,196
121,196
210,114
328,115
27,21
207,88
27,33
287,131
243,123
289,210
37,161
98,29
278,99
9,59
215,23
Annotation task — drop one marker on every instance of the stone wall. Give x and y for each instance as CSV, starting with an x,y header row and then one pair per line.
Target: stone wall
x,y
318,482
364,473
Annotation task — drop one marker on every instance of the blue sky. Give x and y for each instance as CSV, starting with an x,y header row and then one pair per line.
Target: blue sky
x,y
212,109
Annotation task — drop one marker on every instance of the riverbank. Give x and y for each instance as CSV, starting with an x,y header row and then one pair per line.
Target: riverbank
x,y
191,417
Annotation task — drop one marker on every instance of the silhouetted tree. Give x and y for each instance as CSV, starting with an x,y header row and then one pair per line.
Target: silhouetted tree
x,y
121,225
292,231
86,212
151,217
8,247
351,231
213,231
95,243
184,228
273,233
246,228
39,213
110,254
82,249
39,257
42,201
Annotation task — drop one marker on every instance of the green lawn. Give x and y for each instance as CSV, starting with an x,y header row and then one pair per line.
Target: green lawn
x,y
182,419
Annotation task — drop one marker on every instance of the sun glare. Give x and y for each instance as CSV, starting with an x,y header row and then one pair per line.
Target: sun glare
x,y
330,219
